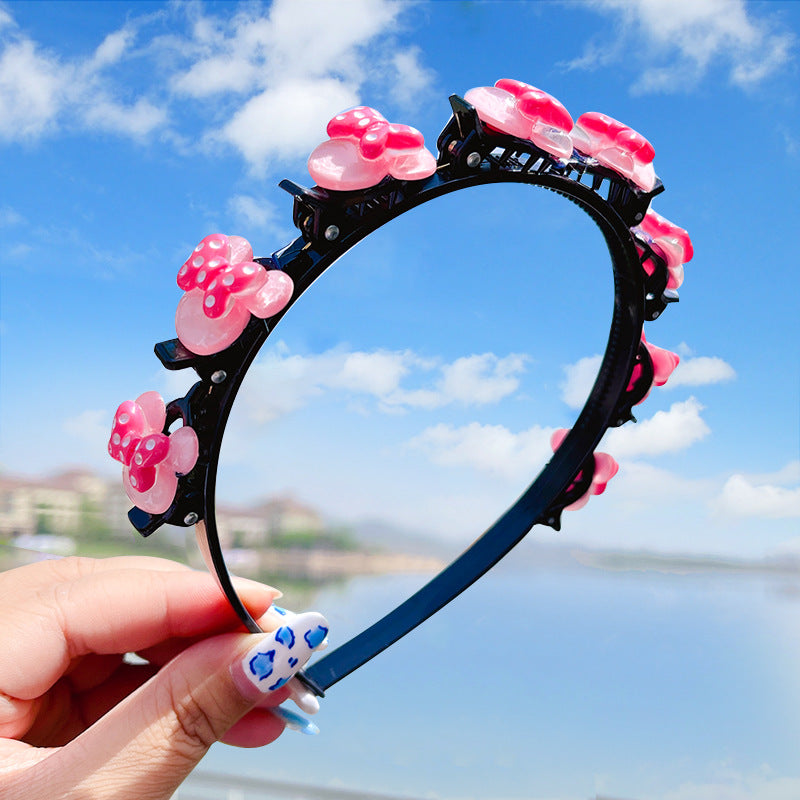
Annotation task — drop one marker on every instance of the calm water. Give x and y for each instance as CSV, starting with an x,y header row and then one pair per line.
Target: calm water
x,y
563,683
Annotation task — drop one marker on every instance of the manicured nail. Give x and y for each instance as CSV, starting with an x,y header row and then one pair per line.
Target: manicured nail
x,y
295,721
278,615
277,656
303,697
243,584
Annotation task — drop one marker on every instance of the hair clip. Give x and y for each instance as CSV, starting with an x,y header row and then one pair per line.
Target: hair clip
x,y
368,172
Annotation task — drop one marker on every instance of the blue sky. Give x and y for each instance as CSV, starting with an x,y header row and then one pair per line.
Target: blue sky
x,y
419,381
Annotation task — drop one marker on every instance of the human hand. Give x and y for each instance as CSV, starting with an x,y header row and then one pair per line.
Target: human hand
x,y
77,720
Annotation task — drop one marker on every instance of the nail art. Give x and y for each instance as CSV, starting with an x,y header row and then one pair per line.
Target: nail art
x,y
295,721
270,664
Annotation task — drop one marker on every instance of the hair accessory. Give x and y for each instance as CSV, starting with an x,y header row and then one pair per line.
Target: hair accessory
x,y
151,459
224,286
364,148
368,172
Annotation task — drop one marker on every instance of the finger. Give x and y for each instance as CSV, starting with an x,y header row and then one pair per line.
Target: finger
x,y
146,746
44,573
165,651
16,757
108,610
255,729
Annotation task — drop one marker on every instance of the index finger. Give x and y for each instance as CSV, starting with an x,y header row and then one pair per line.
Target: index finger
x,y
108,608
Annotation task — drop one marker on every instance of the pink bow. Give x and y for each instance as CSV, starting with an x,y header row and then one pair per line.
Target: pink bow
x,y
616,146
605,468
373,133
224,286
670,241
364,148
522,110
151,459
664,363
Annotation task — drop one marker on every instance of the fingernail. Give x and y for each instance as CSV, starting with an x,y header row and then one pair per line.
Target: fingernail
x,y
303,697
243,584
295,721
277,656
282,615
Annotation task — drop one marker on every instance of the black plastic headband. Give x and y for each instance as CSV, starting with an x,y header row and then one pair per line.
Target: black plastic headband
x,y
470,154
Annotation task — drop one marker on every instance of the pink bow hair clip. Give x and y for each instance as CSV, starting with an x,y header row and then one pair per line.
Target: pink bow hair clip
x,y
605,468
664,363
223,287
615,145
670,241
151,459
522,110
364,148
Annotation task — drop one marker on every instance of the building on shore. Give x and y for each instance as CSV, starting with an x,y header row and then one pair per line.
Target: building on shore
x,y
76,504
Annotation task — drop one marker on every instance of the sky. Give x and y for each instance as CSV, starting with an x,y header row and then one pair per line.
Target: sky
x,y
419,381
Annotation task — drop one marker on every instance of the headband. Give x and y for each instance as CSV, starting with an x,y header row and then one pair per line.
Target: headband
x,y
368,172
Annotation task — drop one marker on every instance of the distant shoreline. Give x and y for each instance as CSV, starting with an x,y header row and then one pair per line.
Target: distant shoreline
x,y
321,564
643,561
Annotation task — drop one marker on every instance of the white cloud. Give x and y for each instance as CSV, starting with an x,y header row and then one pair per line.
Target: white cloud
x,y
488,448
113,47
579,379
295,67
786,476
285,121
262,79
9,217
482,379
32,91
700,371
137,121
378,373
231,72
683,38
641,485
41,92
496,449
746,496
291,381
6,20
253,212
412,78
18,251
665,432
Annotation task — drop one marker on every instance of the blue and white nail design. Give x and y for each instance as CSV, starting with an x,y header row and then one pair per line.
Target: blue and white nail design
x,y
277,657
294,721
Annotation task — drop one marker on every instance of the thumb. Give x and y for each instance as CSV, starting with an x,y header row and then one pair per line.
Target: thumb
x,y
144,748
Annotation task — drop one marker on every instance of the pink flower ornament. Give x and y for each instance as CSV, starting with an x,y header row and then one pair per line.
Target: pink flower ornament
x,y
605,468
616,146
364,148
522,110
671,242
223,287
151,459
664,364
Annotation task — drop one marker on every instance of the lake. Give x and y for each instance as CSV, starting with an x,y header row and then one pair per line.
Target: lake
x,y
561,681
